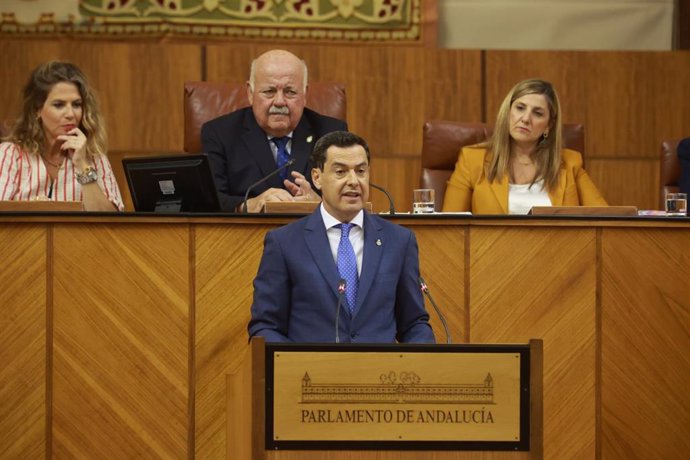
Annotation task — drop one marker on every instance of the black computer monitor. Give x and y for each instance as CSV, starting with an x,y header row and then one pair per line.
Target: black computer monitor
x,y
171,183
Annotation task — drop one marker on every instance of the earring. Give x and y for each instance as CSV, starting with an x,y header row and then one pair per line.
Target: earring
x,y
545,135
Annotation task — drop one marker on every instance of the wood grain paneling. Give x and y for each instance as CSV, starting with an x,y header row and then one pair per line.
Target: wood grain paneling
x,y
121,380
397,175
24,55
634,100
527,284
23,341
626,181
442,264
226,262
121,375
645,367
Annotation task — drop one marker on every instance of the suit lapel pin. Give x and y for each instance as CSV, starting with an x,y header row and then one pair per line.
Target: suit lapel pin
x,y
309,139
378,242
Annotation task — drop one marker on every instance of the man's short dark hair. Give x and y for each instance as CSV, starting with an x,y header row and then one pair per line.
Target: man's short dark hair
x,y
338,139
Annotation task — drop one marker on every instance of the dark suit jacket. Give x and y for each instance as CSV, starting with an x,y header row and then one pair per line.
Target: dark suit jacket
x,y
296,287
240,155
684,160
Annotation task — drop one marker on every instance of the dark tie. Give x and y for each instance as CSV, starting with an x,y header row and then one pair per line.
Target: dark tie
x,y
347,265
283,155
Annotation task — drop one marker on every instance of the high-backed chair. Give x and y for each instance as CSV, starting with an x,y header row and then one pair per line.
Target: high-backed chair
x,y
669,169
204,101
443,139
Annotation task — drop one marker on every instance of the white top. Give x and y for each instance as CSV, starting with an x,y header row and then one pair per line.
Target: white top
x,y
24,177
356,235
522,197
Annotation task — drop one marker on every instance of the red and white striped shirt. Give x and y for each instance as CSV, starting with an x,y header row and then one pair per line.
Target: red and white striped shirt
x,y
24,177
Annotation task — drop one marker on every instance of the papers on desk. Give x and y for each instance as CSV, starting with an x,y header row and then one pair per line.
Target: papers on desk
x,y
651,212
435,213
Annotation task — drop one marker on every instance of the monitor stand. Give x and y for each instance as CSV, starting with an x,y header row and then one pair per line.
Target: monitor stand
x,y
169,206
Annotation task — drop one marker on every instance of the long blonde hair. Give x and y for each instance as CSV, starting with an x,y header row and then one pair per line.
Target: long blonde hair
x,y
27,131
548,154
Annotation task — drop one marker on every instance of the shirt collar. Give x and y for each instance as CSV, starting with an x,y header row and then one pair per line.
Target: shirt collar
x,y
330,221
288,135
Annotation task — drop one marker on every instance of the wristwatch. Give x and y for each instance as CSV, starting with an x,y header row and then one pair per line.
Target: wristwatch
x,y
87,176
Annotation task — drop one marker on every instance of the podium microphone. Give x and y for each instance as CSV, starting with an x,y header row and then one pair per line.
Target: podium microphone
x,y
262,180
342,286
391,208
425,290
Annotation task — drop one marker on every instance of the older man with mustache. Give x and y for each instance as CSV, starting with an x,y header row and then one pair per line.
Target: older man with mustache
x,y
248,144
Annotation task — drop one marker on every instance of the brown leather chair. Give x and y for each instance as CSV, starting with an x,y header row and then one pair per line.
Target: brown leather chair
x,y
442,141
669,169
204,101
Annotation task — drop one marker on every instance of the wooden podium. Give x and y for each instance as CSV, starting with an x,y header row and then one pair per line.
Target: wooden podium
x,y
386,402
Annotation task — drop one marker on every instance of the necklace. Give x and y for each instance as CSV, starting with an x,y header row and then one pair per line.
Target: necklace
x,y
57,165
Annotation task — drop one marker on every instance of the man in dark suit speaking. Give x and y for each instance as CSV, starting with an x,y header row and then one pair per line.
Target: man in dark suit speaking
x,y
248,144
304,263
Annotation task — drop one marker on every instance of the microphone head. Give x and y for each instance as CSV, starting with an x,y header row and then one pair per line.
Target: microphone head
x,y
422,284
342,286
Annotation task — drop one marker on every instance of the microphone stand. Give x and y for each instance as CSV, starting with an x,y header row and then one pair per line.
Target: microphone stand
x,y
425,290
264,179
342,286
391,208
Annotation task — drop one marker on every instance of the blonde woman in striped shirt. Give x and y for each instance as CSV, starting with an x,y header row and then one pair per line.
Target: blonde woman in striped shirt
x,y
57,147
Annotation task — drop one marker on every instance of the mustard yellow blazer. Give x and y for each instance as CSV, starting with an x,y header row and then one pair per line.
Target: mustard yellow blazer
x,y
469,190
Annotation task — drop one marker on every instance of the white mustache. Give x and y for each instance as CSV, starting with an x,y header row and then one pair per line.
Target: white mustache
x,y
278,110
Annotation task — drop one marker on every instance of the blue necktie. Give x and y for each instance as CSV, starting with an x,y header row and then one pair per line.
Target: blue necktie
x,y
347,265
283,155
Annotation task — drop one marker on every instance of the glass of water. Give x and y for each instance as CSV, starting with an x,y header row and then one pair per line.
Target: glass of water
x,y
423,201
677,204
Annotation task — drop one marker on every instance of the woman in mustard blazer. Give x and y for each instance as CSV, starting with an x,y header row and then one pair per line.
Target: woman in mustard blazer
x,y
524,163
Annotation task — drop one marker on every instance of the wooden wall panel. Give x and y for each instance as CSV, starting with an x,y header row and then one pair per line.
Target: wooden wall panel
x,y
23,329
527,284
227,259
121,355
645,369
627,181
442,265
634,100
397,175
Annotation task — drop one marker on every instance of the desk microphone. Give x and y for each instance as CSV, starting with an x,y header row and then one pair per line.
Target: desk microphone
x,y
262,180
342,286
391,208
425,290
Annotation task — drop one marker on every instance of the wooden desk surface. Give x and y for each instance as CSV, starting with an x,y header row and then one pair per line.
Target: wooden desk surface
x,y
117,331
